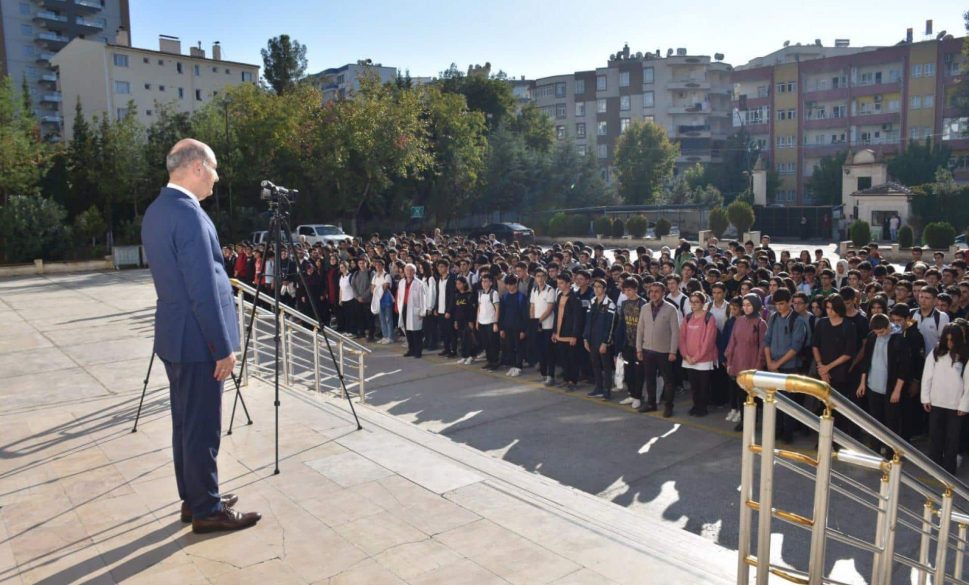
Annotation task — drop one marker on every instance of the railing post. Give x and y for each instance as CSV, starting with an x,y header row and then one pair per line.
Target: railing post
x,y
821,494
942,544
924,544
284,356
880,524
960,552
765,514
288,338
888,551
361,373
339,365
746,490
316,358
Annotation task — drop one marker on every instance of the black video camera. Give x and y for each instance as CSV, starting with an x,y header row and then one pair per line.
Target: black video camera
x,y
274,193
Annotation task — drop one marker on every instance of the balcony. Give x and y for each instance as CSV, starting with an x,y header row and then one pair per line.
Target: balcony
x,y
44,57
51,119
89,6
696,108
50,78
694,157
873,118
860,89
89,24
50,19
825,123
53,97
681,84
51,40
694,131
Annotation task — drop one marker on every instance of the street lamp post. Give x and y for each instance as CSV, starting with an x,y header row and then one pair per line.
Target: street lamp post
x,y
228,149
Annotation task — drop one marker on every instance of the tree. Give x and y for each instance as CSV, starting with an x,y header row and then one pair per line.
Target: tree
x,y
739,153
741,216
939,235
535,127
82,157
32,227
284,63
637,226
918,163
644,160
719,222
24,157
860,233
825,181
662,228
490,96
89,226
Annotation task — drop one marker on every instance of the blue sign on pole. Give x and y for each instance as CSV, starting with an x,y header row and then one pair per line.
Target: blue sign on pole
x,y
417,212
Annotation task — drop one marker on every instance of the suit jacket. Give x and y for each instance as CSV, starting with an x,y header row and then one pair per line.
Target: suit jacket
x,y
195,317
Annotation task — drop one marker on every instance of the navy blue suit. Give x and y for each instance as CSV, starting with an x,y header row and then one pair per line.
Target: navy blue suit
x,y
195,325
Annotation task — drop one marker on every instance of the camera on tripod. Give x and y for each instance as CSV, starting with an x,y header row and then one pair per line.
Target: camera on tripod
x,y
273,193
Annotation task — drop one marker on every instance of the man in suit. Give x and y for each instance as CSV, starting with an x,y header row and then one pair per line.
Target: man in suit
x,y
196,334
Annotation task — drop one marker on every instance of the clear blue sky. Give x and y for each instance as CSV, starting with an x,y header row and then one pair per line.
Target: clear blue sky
x,y
535,38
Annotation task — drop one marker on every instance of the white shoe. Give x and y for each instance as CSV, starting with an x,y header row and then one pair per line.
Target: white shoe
x,y
460,362
635,403
514,372
958,461
508,373
548,380
730,415
736,417
627,400
469,360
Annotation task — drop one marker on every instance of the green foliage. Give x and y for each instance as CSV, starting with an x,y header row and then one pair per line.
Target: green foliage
x,y
618,228
919,162
488,95
825,182
24,157
129,232
284,63
746,197
905,237
662,227
860,233
942,200
32,227
939,235
603,225
741,215
558,225
719,222
644,160
534,126
637,225
578,225
89,226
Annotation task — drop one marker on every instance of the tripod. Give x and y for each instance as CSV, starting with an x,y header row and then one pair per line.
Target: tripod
x,y
278,221
144,389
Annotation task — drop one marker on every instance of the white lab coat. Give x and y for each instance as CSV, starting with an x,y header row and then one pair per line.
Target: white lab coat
x,y
413,320
377,290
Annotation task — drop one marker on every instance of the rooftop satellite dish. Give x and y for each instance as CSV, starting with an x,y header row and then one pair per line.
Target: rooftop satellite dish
x,y
940,36
669,52
718,56
817,42
787,43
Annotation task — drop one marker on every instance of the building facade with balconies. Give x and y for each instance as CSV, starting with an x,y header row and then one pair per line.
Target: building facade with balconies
x,y
688,95
803,103
341,82
33,31
106,78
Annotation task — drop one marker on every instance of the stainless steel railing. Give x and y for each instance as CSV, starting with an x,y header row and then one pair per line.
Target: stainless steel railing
x,y
304,358
887,487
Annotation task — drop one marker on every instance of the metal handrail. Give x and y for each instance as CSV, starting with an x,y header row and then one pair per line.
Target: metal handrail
x,y
769,387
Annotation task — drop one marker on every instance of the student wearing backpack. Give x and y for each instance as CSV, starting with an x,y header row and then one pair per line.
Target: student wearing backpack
x,y
913,416
786,337
600,323
930,320
512,325
698,346
945,396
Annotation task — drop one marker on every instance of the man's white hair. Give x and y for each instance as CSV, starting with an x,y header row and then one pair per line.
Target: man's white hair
x,y
187,154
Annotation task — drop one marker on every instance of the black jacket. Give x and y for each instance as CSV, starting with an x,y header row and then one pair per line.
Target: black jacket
x,y
450,289
899,363
573,319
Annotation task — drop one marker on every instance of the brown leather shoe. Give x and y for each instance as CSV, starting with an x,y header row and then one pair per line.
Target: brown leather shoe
x,y
228,500
227,519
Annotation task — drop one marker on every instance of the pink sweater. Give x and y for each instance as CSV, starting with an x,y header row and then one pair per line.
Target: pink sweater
x,y
745,350
698,338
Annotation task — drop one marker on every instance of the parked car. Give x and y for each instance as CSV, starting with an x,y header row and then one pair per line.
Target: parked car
x,y
259,237
504,232
322,233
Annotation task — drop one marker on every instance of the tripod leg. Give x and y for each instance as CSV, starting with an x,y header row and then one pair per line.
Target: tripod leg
x,y
242,366
144,389
241,398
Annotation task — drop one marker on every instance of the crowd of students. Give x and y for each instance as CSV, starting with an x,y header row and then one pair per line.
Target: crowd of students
x,y
893,340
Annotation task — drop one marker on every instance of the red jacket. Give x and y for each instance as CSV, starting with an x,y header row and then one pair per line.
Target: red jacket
x,y
241,267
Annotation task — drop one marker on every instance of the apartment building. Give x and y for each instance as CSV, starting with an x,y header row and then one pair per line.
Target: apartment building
x,y
802,103
107,77
32,31
688,95
341,82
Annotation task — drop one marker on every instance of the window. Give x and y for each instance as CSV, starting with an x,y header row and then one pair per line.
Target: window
x,y
839,111
28,50
144,59
161,88
559,111
181,93
928,101
147,112
197,70
579,109
582,150
178,67
894,75
786,87
247,76
917,70
893,105
866,79
624,103
228,71
147,86
120,60
915,133
648,119
601,106
928,70
198,95
560,90
916,102
623,124
215,69
623,79
560,132
25,9
648,75
122,87
121,113
26,30
602,150
786,114
579,86
544,91
580,130
649,99
602,128
763,91
955,128
600,83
